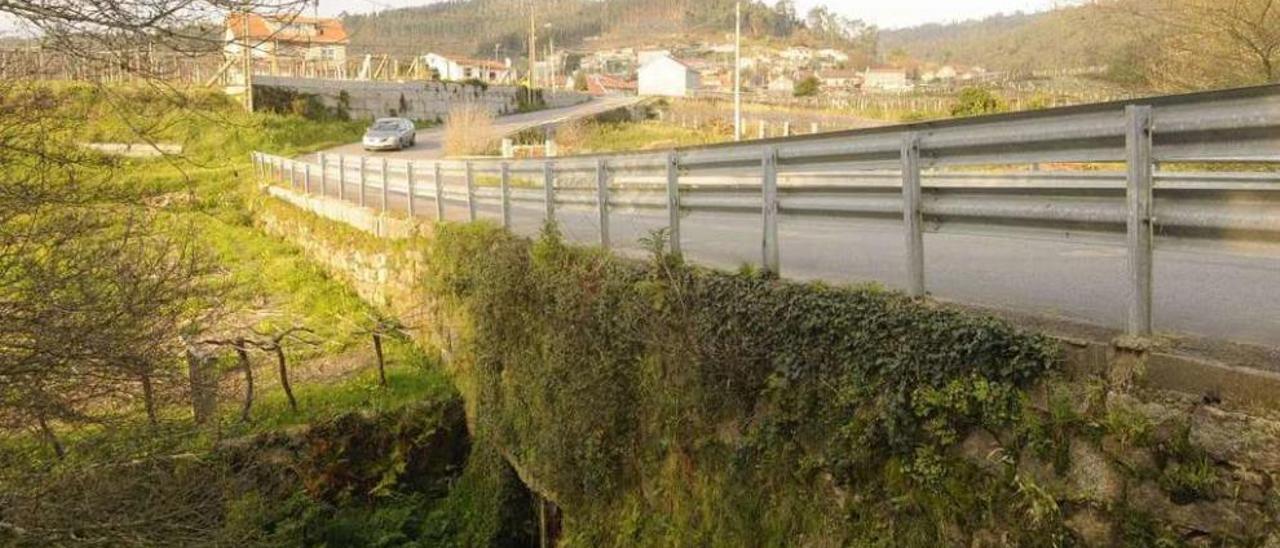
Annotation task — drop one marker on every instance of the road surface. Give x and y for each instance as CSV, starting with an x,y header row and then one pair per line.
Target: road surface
x,y
1204,290
430,141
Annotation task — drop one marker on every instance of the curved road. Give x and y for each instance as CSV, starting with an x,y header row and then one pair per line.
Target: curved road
x,y
430,141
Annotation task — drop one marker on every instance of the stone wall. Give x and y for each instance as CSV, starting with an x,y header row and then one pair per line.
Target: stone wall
x,y
1101,446
420,100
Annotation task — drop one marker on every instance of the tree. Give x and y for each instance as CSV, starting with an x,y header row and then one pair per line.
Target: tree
x,y
808,87
1197,44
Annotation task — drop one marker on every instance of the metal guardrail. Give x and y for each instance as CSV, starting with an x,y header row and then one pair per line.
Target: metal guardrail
x,y
903,172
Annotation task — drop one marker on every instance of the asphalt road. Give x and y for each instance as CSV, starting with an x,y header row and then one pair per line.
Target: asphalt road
x,y
430,141
1208,291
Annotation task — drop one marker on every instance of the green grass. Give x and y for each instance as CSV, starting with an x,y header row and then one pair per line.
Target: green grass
x,y
648,135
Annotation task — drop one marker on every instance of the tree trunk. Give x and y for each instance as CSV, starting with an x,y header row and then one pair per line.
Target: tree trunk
x,y
284,378
149,397
50,437
204,395
377,349
248,379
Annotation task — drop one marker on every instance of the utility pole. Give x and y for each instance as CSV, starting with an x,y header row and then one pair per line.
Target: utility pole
x,y
533,50
737,72
246,48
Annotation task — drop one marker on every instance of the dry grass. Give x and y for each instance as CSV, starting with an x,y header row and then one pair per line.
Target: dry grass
x,y
469,131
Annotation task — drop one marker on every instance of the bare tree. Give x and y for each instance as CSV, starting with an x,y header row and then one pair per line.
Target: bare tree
x,y
1197,44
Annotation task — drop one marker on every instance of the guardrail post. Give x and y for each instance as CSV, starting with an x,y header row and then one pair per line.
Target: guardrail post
x,y
471,194
786,128
439,184
324,175
771,258
912,218
385,185
293,176
408,177
306,178
506,195
762,129
362,180
673,201
1140,220
602,200
342,177
549,190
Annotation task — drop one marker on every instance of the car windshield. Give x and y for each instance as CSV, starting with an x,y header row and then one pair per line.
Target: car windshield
x,y
385,125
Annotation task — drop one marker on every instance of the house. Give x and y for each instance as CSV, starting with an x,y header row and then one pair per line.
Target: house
x,y
286,38
462,68
664,75
947,72
885,79
839,79
833,55
604,84
782,85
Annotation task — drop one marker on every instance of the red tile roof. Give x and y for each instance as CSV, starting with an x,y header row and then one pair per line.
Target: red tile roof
x,y
277,28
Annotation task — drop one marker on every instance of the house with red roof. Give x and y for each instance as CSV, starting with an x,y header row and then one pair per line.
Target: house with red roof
x,y
286,37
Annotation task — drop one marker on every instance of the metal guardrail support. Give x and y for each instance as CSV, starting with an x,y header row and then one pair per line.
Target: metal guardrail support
x,y
324,175
912,218
362,181
386,188
506,195
293,176
306,178
471,194
439,184
342,177
602,200
673,201
549,191
408,177
1138,161
771,257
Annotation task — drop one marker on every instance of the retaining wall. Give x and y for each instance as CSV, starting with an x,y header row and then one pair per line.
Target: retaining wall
x,y
421,100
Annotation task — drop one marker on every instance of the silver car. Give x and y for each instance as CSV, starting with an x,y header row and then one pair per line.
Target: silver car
x,y
390,134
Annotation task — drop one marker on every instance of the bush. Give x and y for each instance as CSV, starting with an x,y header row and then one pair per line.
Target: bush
x,y
808,87
976,101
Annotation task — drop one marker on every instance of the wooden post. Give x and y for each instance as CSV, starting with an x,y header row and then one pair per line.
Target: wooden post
x,y
673,201
771,259
1140,228
324,175
912,218
306,178
602,200
506,195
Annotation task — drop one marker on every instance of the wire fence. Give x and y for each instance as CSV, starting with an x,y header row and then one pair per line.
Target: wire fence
x,y
866,205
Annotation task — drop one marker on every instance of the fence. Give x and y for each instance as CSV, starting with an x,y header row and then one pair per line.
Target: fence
x,y
907,173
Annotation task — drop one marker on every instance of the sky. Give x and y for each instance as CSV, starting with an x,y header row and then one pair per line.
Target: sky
x,y
884,14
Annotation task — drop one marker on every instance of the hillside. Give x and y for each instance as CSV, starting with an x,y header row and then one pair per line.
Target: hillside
x,y
1069,37
475,27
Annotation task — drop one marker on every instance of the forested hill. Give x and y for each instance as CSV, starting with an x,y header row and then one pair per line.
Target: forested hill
x,y
1069,37
474,27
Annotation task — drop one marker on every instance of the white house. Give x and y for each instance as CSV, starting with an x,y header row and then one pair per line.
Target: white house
x,y
782,85
885,79
665,76
462,68
286,38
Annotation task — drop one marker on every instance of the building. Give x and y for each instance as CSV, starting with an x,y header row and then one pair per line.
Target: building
x,y
782,85
604,84
286,38
461,68
839,79
664,75
885,79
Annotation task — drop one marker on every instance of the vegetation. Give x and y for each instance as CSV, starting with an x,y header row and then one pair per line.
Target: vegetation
x,y
808,87
975,102
728,408
592,137
468,131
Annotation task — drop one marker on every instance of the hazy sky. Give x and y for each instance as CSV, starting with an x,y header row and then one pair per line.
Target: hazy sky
x,y
885,14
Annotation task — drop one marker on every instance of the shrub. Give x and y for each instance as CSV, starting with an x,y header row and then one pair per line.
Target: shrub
x,y
808,87
976,101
